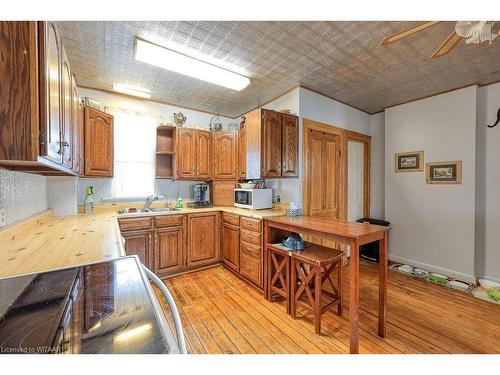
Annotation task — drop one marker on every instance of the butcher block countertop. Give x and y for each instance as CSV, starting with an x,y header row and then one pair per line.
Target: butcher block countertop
x,y
46,242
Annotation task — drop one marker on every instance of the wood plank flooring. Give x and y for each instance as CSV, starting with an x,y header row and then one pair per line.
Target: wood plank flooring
x,y
223,314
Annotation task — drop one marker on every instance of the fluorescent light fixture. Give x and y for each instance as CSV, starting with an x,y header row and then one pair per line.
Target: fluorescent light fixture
x,y
132,332
124,88
174,61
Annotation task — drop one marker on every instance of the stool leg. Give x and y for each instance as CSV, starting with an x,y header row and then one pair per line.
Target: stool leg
x,y
269,276
339,287
293,287
317,300
287,286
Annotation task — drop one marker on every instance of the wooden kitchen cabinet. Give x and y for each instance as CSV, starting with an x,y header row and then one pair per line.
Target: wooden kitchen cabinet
x,y
67,115
242,154
225,155
139,243
186,154
98,129
78,133
203,147
272,144
289,146
169,250
230,245
38,133
203,239
50,91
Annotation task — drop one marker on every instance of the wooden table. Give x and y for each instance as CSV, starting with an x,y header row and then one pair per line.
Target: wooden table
x,y
343,232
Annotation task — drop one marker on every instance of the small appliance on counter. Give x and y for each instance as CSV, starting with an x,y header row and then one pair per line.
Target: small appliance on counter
x,y
201,194
253,199
97,308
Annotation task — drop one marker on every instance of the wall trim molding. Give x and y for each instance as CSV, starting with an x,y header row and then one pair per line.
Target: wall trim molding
x,y
432,268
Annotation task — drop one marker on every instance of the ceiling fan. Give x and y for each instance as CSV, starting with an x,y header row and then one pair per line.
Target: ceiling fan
x,y
472,31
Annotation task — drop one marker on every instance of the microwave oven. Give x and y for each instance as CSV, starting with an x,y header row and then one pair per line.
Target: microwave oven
x,y
253,199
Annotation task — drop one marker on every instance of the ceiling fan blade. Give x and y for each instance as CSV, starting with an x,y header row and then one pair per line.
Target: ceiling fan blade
x,y
447,45
403,34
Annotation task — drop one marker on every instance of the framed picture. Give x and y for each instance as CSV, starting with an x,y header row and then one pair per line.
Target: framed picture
x,y
409,161
444,172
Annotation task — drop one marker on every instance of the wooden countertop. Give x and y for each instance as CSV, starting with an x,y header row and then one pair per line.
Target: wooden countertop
x,y
46,242
342,228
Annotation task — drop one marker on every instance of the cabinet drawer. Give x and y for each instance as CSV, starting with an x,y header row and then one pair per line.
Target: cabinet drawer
x,y
134,223
251,268
252,237
251,249
231,218
169,221
250,224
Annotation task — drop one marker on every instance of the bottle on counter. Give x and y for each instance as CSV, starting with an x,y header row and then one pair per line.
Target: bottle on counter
x,y
89,200
180,202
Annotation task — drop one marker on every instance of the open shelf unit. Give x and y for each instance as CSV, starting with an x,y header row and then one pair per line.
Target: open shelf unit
x,y
165,151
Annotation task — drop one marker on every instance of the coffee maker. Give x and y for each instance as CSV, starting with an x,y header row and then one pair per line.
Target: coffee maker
x,y
201,194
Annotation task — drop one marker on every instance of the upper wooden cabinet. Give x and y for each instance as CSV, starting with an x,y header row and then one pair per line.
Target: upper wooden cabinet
x,y
225,155
41,130
194,154
66,143
272,144
98,129
51,114
203,153
242,154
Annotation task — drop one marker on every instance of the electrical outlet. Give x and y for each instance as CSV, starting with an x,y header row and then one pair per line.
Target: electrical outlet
x,y
277,198
2,216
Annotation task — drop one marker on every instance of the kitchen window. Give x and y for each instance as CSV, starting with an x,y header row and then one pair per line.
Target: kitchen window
x,y
134,148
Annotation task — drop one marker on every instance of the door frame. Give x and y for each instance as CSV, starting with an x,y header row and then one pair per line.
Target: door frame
x,y
344,136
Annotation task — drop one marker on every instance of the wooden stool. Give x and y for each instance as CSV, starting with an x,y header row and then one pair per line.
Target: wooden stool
x,y
310,269
278,274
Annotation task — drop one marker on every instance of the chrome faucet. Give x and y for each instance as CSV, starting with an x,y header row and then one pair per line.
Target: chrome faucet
x,y
150,200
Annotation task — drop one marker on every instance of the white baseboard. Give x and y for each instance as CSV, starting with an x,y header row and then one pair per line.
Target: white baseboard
x,y
489,278
430,267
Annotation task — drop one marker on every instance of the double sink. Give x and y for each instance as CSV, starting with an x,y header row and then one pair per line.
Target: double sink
x,y
146,210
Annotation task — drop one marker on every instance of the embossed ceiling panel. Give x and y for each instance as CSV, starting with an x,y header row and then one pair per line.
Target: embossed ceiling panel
x,y
339,59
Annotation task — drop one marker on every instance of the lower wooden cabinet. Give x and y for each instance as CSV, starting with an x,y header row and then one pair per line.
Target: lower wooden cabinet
x,y
230,245
139,243
251,268
168,251
203,239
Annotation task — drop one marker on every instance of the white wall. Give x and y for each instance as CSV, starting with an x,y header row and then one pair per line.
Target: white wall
x,y
62,195
433,225
488,184
22,195
168,188
378,166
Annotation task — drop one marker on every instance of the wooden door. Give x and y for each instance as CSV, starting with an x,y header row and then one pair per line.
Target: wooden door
x,y
67,113
186,156
242,154
139,243
50,91
203,239
225,155
323,169
230,246
203,155
98,143
271,144
77,116
169,251
290,146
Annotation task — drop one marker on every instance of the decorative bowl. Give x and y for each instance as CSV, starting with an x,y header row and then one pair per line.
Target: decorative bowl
x,y
247,185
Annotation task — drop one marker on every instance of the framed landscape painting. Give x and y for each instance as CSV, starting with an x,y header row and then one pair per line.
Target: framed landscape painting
x,y
409,161
445,172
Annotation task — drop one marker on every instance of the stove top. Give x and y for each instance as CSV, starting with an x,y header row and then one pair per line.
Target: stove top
x,y
106,307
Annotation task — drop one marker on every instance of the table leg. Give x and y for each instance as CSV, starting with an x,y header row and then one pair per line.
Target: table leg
x,y
354,297
382,285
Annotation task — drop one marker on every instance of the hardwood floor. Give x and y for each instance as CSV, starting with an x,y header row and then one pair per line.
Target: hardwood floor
x,y
222,314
